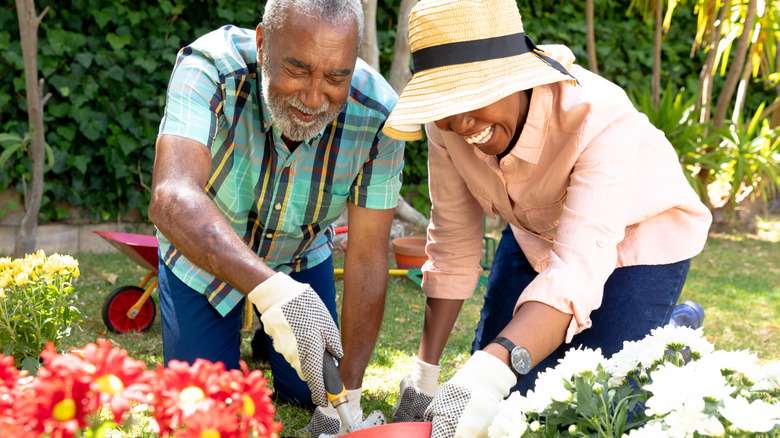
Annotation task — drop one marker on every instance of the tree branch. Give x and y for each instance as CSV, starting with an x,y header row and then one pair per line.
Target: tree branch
x,y
40,17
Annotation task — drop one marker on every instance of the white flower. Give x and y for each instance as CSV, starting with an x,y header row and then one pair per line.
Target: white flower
x,y
672,387
510,421
689,419
549,387
770,378
757,416
694,339
577,361
742,362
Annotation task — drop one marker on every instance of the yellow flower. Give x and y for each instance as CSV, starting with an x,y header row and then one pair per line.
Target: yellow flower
x,y
61,264
5,264
5,279
21,279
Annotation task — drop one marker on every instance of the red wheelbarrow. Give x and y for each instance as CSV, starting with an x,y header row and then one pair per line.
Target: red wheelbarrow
x,y
132,308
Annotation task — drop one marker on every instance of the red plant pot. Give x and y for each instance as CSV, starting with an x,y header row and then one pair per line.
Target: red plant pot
x,y
409,252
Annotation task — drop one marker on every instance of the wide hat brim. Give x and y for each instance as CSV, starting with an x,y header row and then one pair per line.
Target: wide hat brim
x,y
441,92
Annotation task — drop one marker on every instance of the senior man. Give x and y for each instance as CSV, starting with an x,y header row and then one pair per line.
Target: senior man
x,y
268,135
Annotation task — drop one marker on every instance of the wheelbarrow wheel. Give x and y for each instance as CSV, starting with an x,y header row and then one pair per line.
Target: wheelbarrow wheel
x,y
119,302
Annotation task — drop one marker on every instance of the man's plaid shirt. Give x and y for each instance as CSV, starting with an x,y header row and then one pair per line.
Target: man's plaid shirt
x,y
281,204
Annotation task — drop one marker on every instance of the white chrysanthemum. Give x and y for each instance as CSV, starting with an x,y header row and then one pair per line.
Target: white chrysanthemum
x,y
672,387
576,361
626,360
510,421
770,377
689,419
651,429
687,336
742,362
758,416
549,387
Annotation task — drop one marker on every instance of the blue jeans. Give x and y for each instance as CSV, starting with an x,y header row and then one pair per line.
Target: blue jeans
x,y
636,300
192,328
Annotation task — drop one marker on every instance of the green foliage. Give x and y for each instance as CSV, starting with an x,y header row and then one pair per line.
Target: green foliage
x,y
749,157
107,65
36,305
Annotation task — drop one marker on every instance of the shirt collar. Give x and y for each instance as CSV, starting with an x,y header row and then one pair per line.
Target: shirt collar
x,y
534,134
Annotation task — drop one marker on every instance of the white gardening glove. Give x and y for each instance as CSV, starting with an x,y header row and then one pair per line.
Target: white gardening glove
x,y
417,391
466,404
295,317
326,423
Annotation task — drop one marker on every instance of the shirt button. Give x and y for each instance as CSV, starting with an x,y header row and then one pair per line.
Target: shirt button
x,y
278,206
269,235
600,243
507,162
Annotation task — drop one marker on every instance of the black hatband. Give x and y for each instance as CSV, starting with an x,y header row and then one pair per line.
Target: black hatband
x,y
480,50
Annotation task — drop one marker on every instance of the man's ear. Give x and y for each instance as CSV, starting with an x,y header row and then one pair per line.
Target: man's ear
x,y
259,35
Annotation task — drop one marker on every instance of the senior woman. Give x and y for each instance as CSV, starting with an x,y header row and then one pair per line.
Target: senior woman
x,y
602,223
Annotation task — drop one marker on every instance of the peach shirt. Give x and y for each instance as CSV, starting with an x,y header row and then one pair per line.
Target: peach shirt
x,y
591,185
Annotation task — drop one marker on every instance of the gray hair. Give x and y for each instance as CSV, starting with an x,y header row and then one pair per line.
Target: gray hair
x,y
332,11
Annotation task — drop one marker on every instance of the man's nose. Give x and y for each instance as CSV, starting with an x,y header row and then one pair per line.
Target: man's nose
x,y
313,95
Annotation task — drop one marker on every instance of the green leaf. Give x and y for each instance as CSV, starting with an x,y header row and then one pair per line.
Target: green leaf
x,y
150,65
586,398
31,365
80,162
102,17
85,59
68,132
117,42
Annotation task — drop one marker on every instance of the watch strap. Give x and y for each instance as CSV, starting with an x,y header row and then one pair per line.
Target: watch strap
x,y
509,345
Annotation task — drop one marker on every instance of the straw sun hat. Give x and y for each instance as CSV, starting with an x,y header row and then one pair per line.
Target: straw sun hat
x,y
468,54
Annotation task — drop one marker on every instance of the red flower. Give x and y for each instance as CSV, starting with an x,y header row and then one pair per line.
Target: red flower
x,y
210,419
51,405
180,387
256,407
117,379
9,378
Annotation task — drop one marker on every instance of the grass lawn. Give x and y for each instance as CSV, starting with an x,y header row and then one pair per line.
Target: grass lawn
x,y
736,280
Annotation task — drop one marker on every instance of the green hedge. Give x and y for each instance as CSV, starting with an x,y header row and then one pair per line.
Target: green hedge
x,y
107,64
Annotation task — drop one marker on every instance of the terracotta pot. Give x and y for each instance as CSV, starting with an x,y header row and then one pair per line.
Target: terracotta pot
x,y
409,252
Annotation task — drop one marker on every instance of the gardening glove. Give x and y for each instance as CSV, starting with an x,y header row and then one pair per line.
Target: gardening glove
x,y
417,391
466,404
301,327
325,423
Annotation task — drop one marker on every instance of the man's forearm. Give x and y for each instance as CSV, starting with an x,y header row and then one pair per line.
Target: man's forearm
x,y
363,307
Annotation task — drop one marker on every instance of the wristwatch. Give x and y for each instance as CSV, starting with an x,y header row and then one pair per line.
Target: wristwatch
x,y
519,357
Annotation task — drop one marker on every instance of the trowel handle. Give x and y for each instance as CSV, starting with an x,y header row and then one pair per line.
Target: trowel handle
x,y
334,387
336,392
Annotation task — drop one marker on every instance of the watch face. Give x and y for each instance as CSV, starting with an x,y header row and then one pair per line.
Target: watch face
x,y
521,360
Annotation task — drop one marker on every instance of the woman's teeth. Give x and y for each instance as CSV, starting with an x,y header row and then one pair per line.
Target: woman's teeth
x,y
480,137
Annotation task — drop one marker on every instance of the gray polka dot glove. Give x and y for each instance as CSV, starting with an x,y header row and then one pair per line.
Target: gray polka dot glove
x,y
417,391
295,317
465,405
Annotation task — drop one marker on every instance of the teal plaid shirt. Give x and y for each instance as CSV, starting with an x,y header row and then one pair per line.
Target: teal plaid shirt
x,y
281,204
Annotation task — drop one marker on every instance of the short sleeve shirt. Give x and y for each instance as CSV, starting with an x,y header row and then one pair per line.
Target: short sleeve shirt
x,y
282,204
